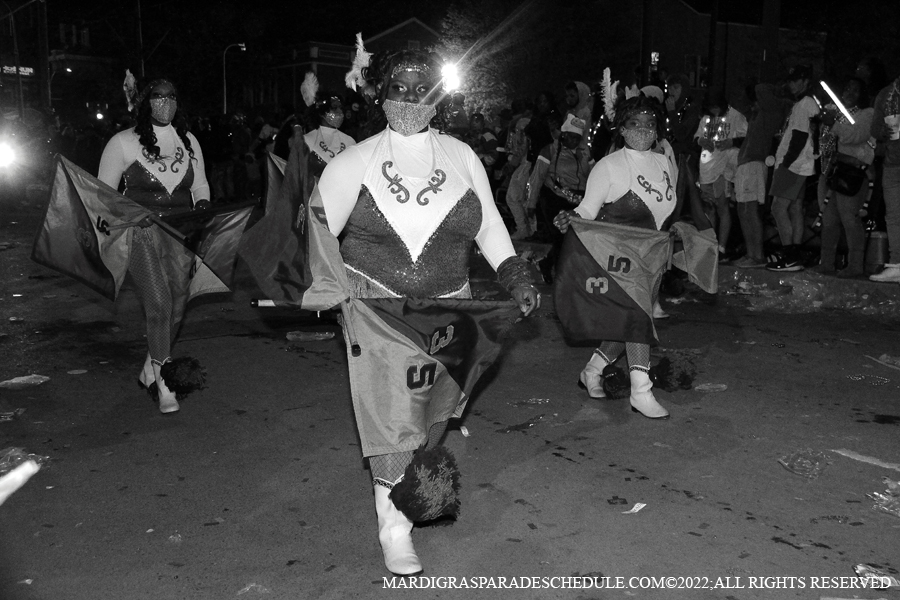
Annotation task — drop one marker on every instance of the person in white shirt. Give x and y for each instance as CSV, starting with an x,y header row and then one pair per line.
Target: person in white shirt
x,y
407,204
162,168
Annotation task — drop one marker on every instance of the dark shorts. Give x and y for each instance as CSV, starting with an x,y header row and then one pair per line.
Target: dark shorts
x,y
788,185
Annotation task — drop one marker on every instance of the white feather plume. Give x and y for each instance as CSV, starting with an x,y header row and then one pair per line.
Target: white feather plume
x,y
130,88
608,88
354,77
309,88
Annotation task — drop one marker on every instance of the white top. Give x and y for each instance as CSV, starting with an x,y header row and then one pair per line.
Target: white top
x,y
414,157
650,175
713,164
125,148
804,110
327,142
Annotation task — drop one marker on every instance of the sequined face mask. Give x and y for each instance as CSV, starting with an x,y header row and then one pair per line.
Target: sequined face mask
x,y
163,109
639,138
334,119
408,118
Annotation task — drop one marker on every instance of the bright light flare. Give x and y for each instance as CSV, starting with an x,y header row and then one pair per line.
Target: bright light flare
x,y
451,77
7,155
837,102
99,116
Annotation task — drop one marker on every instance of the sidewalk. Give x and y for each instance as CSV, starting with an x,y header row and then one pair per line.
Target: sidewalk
x,y
808,291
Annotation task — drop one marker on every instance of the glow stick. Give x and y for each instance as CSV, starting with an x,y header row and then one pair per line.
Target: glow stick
x,y
838,103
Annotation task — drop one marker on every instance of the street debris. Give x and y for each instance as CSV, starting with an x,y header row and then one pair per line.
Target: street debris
x,y
77,372
530,402
617,500
889,500
522,426
636,508
15,319
871,379
20,383
807,463
9,415
464,430
892,362
175,538
254,587
711,387
867,459
309,336
10,458
26,581
882,580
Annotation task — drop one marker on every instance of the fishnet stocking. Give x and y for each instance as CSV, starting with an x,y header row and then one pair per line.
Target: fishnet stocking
x,y
163,317
638,354
388,468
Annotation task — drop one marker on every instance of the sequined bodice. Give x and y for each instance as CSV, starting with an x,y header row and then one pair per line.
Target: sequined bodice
x,y
627,210
148,191
371,246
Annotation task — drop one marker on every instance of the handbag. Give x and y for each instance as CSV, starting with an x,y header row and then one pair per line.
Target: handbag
x,y
845,179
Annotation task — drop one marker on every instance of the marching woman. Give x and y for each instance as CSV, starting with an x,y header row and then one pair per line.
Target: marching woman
x,y
325,140
408,204
632,186
162,168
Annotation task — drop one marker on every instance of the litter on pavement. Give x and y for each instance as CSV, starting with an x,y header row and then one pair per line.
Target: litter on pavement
x,y
807,463
309,336
10,458
19,383
882,579
637,507
867,459
254,587
711,387
9,415
889,500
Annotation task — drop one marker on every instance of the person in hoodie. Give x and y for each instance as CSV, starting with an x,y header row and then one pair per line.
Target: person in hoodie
x,y
580,102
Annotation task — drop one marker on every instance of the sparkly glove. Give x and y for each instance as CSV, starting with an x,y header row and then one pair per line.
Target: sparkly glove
x,y
514,272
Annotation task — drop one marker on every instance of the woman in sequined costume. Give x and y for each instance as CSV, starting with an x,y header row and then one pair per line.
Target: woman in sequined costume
x,y
408,203
632,186
162,168
327,140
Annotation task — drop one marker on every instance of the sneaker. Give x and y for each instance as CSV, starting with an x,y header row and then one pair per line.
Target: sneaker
x,y
747,262
891,273
785,264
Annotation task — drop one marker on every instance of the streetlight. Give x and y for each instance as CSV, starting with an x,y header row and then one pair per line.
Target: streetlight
x,y
243,48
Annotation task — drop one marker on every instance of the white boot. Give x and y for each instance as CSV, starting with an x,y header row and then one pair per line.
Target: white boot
x,y
642,399
146,378
591,378
395,535
658,312
167,401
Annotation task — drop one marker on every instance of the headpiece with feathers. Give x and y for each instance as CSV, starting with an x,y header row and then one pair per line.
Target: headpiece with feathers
x,y
131,93
609,95
309,88
355,76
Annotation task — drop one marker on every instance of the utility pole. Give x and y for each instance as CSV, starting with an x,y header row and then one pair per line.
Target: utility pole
x,y
140,39
44,54
770,23
713,45
646,41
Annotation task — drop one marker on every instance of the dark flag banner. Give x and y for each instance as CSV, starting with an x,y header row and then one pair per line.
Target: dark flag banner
x,y
88,227
275,168
86,230
604,282
416,362
292,255
699,256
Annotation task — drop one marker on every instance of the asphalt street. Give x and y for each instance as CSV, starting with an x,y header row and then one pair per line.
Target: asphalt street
x,y
256,488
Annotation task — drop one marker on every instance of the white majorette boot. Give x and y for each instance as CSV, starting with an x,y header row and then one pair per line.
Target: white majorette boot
x,y
146,378
642,399
395,535
591,378
167,401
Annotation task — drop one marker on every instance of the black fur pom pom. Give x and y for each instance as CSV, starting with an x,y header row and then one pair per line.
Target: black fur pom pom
x,y
430,486
183,375
616,383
